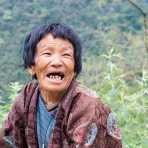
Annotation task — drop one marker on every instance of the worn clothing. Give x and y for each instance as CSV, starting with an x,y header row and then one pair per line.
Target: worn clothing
x,y
45,122
82,121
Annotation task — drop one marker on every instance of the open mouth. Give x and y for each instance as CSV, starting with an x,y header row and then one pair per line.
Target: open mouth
x,y
56,76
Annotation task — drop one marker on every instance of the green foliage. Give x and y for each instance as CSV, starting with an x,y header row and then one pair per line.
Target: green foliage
x,y
5,103
101,25
13,89
124,91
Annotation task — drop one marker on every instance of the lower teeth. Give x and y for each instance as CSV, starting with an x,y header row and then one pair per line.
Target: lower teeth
x,y
56,78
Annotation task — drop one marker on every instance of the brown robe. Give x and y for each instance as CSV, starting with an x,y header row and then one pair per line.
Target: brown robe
x,y
82,121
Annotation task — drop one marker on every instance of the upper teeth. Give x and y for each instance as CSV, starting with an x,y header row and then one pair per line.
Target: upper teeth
x,y
55,77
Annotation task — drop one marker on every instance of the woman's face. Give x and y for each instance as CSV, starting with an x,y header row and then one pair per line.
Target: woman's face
x,y
54,63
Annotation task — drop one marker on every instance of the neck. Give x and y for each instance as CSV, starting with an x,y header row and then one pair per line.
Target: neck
x,y
51,99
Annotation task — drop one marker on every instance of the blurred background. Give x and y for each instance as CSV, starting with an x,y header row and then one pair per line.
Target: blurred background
x,y
114,35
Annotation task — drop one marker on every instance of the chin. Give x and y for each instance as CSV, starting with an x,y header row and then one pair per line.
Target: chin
x,y
56,88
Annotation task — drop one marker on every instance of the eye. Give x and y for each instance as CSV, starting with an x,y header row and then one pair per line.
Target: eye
x,y
67,55
47,53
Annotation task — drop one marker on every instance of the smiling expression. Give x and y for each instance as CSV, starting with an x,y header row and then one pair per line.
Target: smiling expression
x,y
54,64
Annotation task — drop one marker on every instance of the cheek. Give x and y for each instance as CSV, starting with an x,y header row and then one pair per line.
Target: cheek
x,y
41,64
70,67
40,61
39,71
70,72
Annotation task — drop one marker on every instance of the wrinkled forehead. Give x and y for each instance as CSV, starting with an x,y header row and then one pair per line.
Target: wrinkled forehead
x,y
50,41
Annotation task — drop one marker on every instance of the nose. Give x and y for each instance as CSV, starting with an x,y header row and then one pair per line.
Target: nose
x,y
56,61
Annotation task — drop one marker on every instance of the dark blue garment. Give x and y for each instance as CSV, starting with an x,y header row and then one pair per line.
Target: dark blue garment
x,y
8,141
45,123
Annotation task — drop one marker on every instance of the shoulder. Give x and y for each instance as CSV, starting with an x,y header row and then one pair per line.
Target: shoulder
x,y
90,100
100,113
88,107
24,94
28,88
90,117
16,118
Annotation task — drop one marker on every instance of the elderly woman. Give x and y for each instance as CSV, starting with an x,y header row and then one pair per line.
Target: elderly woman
x,y
53,110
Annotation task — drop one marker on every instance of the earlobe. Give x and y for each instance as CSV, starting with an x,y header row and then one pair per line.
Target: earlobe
x,y
31,71
75,75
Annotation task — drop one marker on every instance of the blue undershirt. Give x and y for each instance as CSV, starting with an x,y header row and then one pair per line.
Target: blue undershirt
x,y
45,123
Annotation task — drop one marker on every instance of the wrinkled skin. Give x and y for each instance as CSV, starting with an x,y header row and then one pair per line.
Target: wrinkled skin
x,y
53,55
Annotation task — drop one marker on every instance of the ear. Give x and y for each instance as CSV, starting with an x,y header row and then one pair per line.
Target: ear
x,y
31,70
75,74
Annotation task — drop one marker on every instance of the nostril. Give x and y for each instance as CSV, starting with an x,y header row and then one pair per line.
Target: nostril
x,y
56,62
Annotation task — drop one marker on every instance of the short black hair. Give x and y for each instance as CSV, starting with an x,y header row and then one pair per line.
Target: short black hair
x,y
58,31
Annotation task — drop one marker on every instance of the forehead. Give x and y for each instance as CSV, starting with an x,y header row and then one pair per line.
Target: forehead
x,y
50,41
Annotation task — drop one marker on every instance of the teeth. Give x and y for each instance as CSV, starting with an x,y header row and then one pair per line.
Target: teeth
x,y
55,77
51,77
